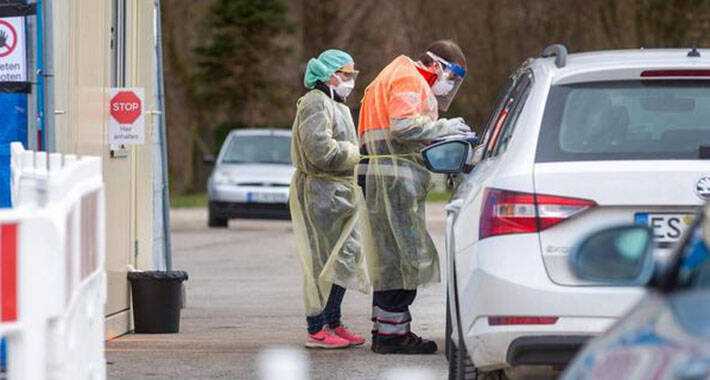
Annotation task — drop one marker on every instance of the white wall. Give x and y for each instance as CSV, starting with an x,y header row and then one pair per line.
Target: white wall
x,y
83,66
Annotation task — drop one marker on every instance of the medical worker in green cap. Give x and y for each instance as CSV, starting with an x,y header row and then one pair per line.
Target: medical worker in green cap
x,y
325,201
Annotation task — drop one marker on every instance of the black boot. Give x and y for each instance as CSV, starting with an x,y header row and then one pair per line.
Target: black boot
x,y
375,340
409,344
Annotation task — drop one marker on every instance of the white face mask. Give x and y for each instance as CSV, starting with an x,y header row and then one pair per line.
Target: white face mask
x,y
442,86
344,88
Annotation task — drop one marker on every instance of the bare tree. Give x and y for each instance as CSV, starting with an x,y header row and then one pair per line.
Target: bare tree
x,y
496,35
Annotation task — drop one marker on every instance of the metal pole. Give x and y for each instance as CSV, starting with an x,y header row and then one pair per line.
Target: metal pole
x,y
48,75
32,125
39,59
160,86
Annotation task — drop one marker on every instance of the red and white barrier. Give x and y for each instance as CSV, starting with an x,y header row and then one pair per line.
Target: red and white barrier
x,y
52,277
8,272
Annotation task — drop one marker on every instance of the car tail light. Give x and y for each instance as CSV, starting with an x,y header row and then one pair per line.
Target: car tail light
x,y
675,73
511,212
521,320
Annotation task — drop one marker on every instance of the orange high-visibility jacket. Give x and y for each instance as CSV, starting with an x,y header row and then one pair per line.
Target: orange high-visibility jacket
x,y
398,92
398,108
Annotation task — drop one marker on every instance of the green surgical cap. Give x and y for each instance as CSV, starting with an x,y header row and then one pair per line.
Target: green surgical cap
x,y
323,67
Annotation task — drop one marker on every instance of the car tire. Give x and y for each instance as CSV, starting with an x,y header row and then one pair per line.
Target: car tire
x,y
461,367
213,220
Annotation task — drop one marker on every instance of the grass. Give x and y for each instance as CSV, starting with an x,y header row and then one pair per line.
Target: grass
x,y
188,200
436,196
200,199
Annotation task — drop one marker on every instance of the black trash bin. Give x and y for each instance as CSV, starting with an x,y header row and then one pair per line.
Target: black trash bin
x,y
157,300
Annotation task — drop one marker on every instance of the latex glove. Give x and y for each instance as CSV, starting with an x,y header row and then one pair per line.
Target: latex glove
x,y
457,126
470,136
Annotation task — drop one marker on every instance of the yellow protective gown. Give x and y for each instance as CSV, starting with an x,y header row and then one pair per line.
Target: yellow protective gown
x,y
325,201
398,118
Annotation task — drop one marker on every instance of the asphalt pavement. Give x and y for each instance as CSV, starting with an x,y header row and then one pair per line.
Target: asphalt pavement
x,y
244,296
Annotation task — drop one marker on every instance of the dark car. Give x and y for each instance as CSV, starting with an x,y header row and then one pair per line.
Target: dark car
x,y
667,334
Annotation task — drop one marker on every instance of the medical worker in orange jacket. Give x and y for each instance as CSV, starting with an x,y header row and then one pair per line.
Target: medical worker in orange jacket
x,y
400,116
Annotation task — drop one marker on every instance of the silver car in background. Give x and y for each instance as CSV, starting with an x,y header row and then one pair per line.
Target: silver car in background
x,y
251,176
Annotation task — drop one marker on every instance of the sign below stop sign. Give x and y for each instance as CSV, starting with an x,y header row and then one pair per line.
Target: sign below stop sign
x,y
126,116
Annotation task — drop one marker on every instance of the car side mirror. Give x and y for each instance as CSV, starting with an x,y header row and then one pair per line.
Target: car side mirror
x,y
620,256
208,159
447,157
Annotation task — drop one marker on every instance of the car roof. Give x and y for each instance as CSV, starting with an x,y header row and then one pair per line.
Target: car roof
x,y
635,56
260,132
629,62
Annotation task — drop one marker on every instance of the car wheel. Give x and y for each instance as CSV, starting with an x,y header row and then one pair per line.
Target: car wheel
x,y
213,220
460,365
462,368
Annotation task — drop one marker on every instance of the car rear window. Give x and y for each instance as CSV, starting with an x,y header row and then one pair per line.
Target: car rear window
x,y
625,120
258,150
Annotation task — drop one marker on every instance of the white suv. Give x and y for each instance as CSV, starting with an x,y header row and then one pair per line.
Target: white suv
x,y
575,143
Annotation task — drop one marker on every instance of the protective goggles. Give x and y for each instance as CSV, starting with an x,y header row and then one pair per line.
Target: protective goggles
x,y
347,74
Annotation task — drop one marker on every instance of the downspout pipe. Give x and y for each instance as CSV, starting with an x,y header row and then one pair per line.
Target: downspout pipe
x,y
46,23
162,135
40,71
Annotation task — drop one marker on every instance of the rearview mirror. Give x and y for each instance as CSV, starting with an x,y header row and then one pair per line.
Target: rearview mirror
x,y
446,157
619,256
208,159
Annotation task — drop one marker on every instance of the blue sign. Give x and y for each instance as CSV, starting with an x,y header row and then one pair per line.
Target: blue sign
x,y
13,127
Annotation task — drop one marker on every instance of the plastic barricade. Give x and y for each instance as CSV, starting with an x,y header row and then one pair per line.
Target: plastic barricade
x,y
52,277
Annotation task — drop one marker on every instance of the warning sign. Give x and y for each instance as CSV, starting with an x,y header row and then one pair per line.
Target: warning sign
x,y
126,116
13,55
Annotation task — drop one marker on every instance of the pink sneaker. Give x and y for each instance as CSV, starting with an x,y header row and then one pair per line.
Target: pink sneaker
x,y
326,339
348,335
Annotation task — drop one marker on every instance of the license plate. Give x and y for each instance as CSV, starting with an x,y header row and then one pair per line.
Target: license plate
x,y
264,197
667,228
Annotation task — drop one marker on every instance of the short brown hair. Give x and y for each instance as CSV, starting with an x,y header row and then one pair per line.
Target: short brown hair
x,y
446,49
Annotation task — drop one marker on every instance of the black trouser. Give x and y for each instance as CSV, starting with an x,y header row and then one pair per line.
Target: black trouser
x,y
361,174
331,313
390,311
397,300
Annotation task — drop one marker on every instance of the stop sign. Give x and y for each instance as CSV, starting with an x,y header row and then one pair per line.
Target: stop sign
x,y
126,107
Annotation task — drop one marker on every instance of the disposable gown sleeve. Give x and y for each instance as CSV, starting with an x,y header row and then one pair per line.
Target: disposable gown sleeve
x,y
407,119
318,144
